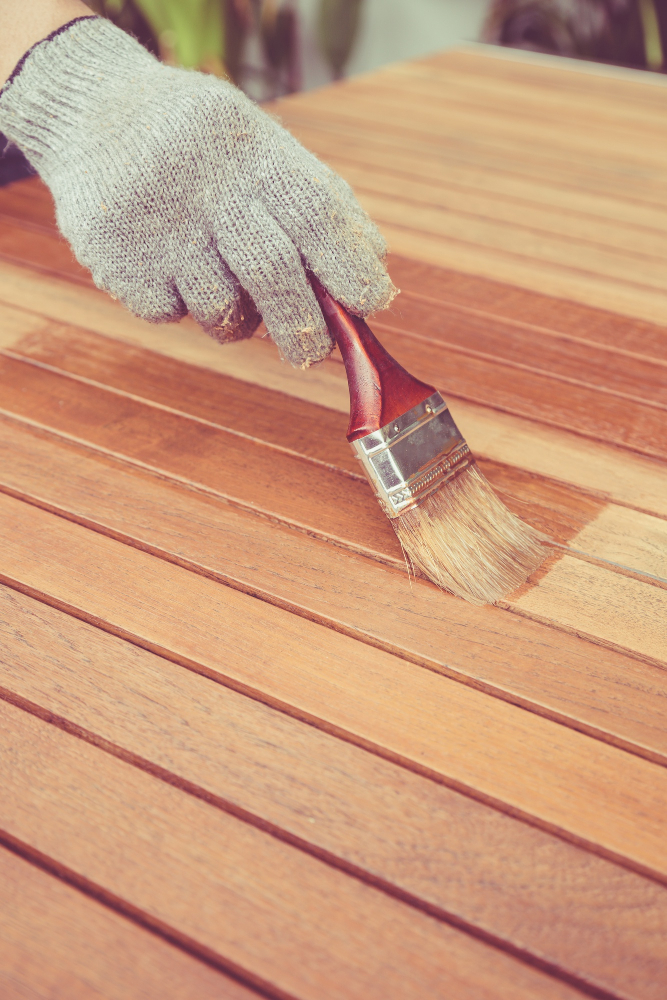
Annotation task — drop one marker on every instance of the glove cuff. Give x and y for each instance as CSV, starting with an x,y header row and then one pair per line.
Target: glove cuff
x,y
64,83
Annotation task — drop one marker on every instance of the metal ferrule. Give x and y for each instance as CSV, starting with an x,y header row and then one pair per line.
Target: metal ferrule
x,y
413,456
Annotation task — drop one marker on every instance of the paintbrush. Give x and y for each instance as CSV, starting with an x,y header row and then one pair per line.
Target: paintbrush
x,y
450,523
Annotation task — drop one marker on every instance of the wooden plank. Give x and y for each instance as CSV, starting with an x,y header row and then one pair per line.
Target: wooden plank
x,y
376,151
628,538
617,609
480,138
634,299
531,311
484,359
28,200
260,417
637,96
274,418
593,793
443,99
602,926
506,656
603,471
456,144
301,429
57,942
307,495
258,413
245,898
40,249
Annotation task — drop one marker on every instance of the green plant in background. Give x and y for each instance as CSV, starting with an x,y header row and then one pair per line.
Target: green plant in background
x,y
190,33
338,27
212,35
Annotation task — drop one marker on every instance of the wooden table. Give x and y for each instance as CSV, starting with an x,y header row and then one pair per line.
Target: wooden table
x,y
241,753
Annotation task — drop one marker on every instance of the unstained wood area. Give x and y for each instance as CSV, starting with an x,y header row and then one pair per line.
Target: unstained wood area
x,y
242,753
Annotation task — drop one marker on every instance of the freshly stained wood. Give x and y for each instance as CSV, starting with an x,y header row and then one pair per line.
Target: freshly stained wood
x,y
603,925
266,482
253,903
617,415
514,659
592,792
57,942
606,471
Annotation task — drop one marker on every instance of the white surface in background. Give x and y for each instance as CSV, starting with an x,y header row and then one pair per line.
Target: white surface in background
x,y
392,30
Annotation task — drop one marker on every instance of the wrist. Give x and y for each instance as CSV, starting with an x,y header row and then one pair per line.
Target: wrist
x,y
24,23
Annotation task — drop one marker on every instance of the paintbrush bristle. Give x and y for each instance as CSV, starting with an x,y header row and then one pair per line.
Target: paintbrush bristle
x,y
464,539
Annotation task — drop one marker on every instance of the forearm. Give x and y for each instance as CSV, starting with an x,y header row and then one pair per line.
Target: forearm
x,y
24,22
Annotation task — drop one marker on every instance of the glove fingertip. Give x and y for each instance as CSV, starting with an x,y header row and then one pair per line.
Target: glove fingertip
x,y
306,347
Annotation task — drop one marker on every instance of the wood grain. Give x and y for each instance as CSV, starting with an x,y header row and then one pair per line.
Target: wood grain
x,y
124,425
592,792
617,609
607,472
466,360
55,942
503,655
30,201
628,538
602,925
269,417
247,899
40,249
265,417
281,485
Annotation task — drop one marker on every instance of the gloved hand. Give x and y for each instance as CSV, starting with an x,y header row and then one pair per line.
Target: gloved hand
x,y
179,194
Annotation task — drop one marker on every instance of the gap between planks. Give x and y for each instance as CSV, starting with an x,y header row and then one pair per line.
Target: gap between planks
x,y
55,938
225,890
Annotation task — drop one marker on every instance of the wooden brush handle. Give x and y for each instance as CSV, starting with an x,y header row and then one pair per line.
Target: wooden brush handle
x,y
380,389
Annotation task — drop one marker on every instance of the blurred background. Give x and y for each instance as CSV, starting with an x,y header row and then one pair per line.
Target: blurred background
x,y
270,48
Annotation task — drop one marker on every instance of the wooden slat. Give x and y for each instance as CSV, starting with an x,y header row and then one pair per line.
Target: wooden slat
x,y
256,476
594,793
626,537
515,305
635,96
40,249
622,219
622,611
28,200
247,899
314,498
602,925
57,942
606,472
465,359
265,415
481,647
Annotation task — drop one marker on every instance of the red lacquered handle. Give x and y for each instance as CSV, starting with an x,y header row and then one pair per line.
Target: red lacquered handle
x,y
380,389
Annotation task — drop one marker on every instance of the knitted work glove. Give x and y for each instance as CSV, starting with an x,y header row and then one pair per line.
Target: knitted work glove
x,y
179,194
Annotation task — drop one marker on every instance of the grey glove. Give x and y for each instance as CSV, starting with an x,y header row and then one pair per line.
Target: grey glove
x,y
181,195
